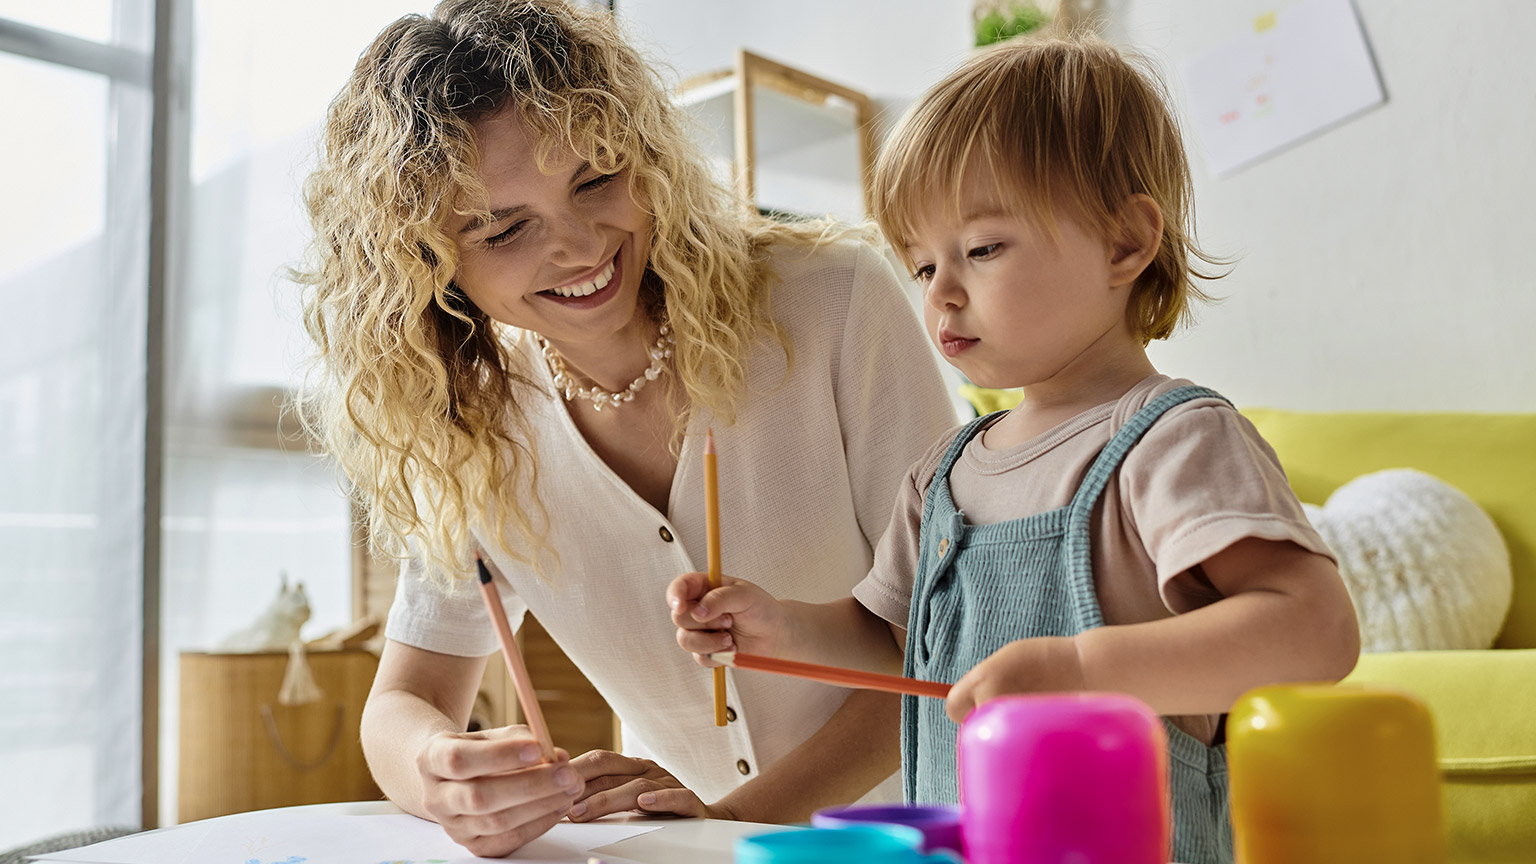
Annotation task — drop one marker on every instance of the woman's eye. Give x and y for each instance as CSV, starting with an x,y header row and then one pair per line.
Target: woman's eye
x,y
506,236
598,182
981,253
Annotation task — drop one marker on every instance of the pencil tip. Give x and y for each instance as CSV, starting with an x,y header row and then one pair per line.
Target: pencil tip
x,y
709,440
724,658
485,572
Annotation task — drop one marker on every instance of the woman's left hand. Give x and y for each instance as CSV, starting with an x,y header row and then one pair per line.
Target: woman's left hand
x,y
1047,664
615,783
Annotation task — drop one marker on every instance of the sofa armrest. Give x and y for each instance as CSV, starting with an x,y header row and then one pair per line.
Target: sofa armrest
x,y
1482,703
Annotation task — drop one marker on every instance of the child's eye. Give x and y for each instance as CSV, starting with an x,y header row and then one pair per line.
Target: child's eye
x,y
982,253
506,236
923,273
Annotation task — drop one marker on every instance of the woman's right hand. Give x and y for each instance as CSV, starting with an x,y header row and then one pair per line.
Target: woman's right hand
x,y
489,790
737,616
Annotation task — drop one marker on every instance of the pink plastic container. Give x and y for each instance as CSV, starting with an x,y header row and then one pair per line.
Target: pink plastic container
x,y
1079,777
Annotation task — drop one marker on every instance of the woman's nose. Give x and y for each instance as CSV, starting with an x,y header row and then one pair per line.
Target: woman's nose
x,y
578,242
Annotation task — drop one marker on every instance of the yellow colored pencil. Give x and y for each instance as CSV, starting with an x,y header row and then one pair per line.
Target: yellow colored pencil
x,y
712,533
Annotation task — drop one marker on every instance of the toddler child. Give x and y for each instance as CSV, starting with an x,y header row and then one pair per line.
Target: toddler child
x,y
1118,530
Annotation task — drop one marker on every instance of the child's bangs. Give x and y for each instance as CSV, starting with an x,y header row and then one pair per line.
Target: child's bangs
x,y
931,167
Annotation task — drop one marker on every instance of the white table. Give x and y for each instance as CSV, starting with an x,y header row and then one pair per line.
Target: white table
x,y
675,841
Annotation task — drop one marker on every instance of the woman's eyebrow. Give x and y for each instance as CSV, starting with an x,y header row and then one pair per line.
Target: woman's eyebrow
x,y
501,213
497,215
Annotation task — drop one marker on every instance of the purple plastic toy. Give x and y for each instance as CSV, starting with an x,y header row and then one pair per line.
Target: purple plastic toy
x,y
1079,777
940,823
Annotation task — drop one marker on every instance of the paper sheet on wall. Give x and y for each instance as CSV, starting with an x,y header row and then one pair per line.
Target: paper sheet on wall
x,y
279,838
1303,68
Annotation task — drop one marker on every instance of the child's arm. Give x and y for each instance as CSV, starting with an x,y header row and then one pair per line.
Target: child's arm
x,y
1285,616
740,616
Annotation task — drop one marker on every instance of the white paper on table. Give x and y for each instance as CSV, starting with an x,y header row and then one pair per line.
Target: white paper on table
x,y
286,838
1305,67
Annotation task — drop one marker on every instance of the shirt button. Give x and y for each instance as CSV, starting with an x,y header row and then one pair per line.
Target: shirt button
x,y
730,714
743,767
943,544
665,534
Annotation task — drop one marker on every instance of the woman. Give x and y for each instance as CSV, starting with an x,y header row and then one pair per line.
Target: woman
x,y
529,301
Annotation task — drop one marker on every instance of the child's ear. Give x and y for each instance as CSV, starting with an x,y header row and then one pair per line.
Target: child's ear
x,y
1138,236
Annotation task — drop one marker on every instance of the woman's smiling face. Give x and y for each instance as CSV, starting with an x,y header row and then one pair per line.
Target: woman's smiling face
x,y
565,252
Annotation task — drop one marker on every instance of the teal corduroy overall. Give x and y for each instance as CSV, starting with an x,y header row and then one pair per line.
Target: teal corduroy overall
x,y
979,587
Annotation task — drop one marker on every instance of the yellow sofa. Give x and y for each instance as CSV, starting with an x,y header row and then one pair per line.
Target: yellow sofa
x,y
1483,702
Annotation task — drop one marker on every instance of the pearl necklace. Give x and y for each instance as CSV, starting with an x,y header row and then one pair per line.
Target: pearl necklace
x,y
565,380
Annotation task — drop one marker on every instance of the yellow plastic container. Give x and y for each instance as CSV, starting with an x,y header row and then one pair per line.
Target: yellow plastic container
x,y
1333,774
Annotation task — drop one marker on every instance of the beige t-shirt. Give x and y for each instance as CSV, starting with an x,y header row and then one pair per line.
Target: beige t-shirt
x,y
1199,480
807,474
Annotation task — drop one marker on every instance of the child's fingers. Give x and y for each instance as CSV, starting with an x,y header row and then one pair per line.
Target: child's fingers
x,y
684,595
961,699
705,642
733,598
686,589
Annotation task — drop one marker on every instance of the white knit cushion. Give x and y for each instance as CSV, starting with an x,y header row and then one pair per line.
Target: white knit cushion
x,y
1426,567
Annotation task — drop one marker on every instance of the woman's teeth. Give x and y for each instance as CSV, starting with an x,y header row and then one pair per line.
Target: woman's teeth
x,y
582,289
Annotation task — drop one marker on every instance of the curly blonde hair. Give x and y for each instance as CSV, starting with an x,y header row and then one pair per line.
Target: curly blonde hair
x,y
412,389
1058,120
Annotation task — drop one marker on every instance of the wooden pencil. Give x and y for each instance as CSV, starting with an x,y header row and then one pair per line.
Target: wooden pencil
x,y
712,544
833,674
515,666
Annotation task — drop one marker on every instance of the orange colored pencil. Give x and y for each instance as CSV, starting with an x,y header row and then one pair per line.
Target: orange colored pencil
x,y
712,536
515,666
833,674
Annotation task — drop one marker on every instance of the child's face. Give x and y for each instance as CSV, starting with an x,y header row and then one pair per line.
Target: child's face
x,y
1007,304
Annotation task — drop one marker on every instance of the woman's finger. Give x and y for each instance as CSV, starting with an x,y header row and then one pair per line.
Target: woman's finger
x,y
462,756
499,835
486,795
597,763
616,800
679,802
511,818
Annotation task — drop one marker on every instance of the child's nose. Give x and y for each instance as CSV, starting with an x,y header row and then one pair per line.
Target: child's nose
x,y
945,292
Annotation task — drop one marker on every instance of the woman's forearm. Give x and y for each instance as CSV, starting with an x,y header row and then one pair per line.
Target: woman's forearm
x,y
858,747
396,725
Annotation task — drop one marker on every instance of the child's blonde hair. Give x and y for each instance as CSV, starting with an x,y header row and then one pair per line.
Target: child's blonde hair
x,y
1060,121
413,390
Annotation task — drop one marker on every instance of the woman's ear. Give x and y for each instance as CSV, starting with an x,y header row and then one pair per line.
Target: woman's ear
x,y
1137,238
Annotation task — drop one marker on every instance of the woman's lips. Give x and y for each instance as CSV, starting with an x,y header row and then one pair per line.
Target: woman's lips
x,y
596,298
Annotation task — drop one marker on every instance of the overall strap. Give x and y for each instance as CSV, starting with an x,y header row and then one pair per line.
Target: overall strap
x,y
938,487
1080,511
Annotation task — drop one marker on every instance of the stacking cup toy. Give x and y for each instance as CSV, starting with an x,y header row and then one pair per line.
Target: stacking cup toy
x,y
1333,774
939,823
856,844
1080,777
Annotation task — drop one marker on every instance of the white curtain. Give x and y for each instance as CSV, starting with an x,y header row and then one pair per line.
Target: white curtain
x,y
74,168
244,501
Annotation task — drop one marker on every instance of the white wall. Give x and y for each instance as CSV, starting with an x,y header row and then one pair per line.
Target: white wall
x,y
1381,265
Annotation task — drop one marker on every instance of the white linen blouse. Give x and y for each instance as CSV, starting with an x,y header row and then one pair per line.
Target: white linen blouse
x,y
808,476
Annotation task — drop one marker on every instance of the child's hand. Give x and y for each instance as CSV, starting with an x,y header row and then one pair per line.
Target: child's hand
x,y
737,616
1048,664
